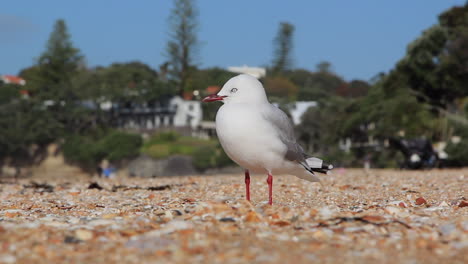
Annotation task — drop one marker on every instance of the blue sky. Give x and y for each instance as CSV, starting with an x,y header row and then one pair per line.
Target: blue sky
x,y
360,38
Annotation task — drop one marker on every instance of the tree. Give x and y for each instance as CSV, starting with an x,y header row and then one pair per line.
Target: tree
x,y
181,48
280,88
434,67
353,89
315,86
324,67
392,110
42,118
133,81
51,80
283,46
322,127
58,65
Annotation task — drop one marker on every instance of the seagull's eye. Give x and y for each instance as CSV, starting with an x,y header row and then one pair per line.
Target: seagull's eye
x,y
233,90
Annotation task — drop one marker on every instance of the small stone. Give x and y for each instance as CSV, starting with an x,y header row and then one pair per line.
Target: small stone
x,y
71,240
149,243
443,204
109,216
252,217
12,214
463,203
280,223
227,219
83,234
325,212
447,229
392,210
373,218
168,215
176,212
74,192
420,201
95,185
7,258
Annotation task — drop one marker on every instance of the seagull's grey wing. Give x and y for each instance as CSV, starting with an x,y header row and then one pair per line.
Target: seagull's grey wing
x,y
285,130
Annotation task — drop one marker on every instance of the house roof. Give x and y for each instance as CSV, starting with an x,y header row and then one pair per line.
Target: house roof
x,y
213,89
13,79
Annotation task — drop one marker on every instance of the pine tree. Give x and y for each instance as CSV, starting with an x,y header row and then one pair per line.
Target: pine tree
x,y
283,44
58,64
181,49
53,86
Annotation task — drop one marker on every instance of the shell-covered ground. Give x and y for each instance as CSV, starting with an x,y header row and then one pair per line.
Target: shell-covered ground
x,y
354,216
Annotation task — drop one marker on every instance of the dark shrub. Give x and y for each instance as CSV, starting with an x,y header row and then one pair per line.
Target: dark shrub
x,y
88,151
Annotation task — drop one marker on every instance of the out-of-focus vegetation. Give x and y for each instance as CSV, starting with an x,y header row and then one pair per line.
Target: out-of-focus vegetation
x,y
162,145
88,151
205,153
424,95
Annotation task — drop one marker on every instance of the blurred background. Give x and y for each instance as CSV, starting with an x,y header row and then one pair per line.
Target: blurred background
x,y
103,87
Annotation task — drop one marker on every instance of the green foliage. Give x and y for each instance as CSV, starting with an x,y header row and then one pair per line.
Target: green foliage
x,y
315,86
122,82
57,65
82,150
327,116
23,124
386,158
118,145
163,137
458,153
205,153
8,92
204,158
210,156
280,89
88,150
354,89
51,81
390,111
435,64
164,144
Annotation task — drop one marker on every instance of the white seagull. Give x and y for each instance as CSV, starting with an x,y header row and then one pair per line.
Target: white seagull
x,y
259,136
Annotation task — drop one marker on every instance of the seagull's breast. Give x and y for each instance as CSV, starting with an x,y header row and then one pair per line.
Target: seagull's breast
x,y
249,139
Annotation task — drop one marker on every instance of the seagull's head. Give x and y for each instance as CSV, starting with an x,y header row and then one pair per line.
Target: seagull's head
x,y
242,88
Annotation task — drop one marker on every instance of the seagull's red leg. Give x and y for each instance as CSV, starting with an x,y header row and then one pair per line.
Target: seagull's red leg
x,y
247,185
270,188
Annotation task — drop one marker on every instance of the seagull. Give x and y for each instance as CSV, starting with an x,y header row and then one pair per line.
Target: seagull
x,y
258,136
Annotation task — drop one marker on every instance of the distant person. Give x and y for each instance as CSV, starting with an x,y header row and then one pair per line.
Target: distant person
x,y
109,172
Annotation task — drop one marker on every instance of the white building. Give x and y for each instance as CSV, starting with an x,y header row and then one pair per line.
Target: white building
x,y
299,108
187,112
173,113
256,72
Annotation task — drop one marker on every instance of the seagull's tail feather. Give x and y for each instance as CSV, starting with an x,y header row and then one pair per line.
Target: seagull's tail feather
x,y
317,165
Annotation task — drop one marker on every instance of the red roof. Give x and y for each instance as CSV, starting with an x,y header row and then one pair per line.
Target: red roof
x,y
213,89
13,79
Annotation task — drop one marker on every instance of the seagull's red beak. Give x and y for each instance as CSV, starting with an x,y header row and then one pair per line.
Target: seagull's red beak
x,y
213,97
